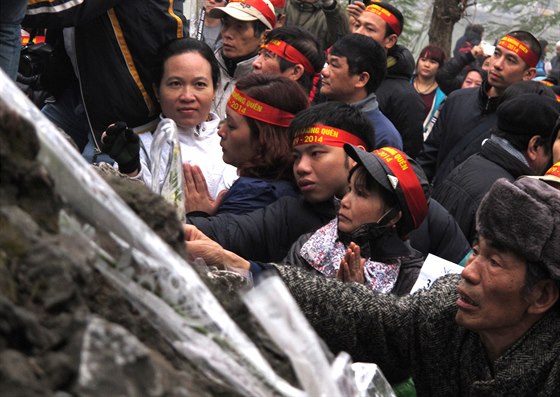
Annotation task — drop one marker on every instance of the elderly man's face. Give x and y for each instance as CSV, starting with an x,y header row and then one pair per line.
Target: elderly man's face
x,y
491,300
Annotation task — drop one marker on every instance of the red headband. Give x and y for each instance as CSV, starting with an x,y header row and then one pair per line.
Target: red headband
x,y
261,7
521,49
289,53
250,107
320,134
554,170
410,185
387,16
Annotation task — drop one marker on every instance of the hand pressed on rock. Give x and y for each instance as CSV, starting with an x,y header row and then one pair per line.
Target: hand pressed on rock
x,y
197,196
352,266
200,246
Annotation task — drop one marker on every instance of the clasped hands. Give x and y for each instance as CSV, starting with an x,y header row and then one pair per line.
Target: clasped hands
x,y
197,196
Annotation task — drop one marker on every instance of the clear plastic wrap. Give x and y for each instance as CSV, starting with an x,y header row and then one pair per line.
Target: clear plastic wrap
x,y
167,165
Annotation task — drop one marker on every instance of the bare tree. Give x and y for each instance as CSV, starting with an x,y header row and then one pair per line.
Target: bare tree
x,y
445,14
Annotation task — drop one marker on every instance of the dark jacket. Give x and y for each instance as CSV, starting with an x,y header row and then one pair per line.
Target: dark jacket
x,y
385,132
468,113
399,101
417,335
248,194
328,25
464,187
450,76
390,247
268,233
116,47
440,235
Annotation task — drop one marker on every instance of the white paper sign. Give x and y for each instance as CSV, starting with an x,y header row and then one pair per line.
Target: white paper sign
x,y
433,268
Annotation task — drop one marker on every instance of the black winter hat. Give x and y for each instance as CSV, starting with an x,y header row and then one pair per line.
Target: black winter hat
x,y
523,216
528,114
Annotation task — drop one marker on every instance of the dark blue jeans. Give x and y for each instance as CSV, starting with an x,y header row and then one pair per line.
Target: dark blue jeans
x,y
11,15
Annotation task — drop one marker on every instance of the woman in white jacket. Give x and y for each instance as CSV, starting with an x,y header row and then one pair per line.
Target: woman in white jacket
x,y
187,77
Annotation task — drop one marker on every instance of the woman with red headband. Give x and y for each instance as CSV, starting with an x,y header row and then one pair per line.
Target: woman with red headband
x,y
254,138
387,199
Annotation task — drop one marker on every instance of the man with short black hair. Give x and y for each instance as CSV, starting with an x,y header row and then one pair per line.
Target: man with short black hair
x,y
398,100
356,67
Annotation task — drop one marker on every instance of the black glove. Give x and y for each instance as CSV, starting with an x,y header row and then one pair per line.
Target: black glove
x,y
123,145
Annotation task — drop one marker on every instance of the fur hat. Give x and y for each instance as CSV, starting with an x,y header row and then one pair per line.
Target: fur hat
x,y
523,216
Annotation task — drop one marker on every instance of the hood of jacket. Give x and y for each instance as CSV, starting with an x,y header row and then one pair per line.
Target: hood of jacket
x,y
400,63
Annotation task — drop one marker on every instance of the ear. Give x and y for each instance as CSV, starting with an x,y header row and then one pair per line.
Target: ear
x,y
156,91
532,148
543,296
530,74
296,72
390,41
363,79
280,21
361,147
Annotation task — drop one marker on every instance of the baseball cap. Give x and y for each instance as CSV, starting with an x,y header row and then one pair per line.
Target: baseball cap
x,y
247,10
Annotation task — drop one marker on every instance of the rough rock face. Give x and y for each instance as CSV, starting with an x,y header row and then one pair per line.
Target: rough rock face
x,y
64,330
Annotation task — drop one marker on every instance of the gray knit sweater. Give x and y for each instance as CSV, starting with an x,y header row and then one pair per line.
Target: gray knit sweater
x,y
417,335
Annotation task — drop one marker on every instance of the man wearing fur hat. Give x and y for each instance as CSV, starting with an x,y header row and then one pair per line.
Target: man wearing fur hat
x,y
244,23
491,331
521,145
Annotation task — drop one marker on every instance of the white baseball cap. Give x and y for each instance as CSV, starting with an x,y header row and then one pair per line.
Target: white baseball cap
x,y
247,10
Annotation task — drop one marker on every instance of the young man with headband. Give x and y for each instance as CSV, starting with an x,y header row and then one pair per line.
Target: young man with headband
x,y
293,53
244,23
469,114
398,100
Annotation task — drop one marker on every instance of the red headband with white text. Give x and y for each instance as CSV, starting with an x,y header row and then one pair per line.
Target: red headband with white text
x,y
387,16
320,134
250,107
521,49
289,53
408,180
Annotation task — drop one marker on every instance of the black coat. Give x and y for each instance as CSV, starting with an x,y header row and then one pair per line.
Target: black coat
x,y
465,186
467,113
268,233
399,101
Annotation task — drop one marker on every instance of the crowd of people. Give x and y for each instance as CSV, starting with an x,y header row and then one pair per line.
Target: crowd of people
x,y
315,147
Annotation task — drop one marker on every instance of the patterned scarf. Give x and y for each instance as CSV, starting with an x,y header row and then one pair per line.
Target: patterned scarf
x,y
324,251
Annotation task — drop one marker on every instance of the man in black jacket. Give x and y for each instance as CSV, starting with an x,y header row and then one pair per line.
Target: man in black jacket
x,y
398,100
520,146
469,115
